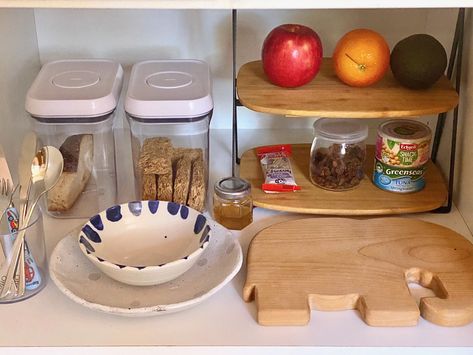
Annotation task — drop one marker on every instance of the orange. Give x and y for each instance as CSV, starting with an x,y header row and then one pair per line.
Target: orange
x,y
361,58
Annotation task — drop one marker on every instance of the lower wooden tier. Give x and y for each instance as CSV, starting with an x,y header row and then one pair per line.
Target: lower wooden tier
x,y
366,199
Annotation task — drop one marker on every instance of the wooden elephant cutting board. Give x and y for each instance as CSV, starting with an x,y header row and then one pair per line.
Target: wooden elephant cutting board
x,y
333,264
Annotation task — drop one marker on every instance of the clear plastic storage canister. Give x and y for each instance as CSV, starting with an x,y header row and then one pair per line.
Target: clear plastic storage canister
x,y
338,153
169,106
72,103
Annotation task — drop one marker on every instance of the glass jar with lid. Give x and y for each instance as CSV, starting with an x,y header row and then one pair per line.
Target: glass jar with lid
x,y
338,153
233,205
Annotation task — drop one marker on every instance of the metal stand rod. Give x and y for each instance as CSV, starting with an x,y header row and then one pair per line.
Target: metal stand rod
x,y
235,158
458,70
451,64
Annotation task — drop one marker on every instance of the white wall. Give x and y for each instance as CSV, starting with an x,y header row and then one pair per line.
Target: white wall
x,y
19,64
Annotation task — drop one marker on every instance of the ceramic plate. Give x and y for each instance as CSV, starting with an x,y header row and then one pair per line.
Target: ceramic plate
x,y
81,281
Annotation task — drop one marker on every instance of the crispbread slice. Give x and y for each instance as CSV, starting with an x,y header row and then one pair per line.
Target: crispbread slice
x,y
182,180
165,187
197,193
156,155
148,190
190,153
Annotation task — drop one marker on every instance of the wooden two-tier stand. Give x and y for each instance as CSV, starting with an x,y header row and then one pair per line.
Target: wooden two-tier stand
x,y
326,96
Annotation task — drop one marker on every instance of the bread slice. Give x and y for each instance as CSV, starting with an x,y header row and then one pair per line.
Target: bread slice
x,y
78,154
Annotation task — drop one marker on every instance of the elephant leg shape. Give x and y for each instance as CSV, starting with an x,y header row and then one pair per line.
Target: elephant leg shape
x,y
449,307
277,306
452,311
386,311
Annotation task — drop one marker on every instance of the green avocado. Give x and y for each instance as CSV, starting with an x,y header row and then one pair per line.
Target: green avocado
x,y
418,61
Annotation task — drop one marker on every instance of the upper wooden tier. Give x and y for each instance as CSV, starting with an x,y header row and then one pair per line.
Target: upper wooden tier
x,y
327,96
233,4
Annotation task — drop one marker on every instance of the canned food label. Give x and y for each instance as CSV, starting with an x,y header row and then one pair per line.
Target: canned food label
x,y
397,153
398,179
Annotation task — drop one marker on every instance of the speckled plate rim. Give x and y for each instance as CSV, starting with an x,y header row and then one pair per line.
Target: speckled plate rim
x,y
161,309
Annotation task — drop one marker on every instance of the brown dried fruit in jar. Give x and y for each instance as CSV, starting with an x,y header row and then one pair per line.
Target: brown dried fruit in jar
x,y
338,167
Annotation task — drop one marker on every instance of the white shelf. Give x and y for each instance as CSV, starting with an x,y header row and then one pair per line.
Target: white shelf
x,y
232,4
224,320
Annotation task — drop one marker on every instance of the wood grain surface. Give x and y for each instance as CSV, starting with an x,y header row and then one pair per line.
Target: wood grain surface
x,y
327,96
334,264
366,199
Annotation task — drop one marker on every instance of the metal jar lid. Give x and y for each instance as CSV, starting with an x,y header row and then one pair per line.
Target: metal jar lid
x,y
232,188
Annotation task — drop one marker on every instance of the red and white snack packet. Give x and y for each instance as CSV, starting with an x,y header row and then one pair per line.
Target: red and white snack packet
x,y
277,168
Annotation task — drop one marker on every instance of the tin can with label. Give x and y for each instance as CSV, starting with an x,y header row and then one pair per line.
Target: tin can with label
x,y
403,143
398,179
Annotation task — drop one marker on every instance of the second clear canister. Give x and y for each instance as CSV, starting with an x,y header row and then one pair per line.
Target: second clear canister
x,y
169,105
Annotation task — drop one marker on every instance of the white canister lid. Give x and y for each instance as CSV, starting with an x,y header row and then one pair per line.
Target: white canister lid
x,y
160,89
75,88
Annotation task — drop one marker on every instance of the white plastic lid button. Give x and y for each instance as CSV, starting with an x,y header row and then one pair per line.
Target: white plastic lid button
x,y
75,88
160,89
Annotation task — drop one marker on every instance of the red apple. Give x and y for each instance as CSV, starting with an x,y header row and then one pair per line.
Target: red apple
x,y
291,55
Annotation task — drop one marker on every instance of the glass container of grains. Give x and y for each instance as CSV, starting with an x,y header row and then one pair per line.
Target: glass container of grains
x,y
338,153
233,205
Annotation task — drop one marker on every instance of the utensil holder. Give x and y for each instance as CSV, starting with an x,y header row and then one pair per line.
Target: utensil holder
x,y
35,255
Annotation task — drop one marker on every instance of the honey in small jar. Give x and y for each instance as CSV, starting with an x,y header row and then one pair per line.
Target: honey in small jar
x,y
233,206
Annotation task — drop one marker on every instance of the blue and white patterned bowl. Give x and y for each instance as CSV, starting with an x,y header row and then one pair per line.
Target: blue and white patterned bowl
x,y
145,242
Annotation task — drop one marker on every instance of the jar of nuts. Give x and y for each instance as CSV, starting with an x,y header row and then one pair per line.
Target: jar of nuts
x,y
338,153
